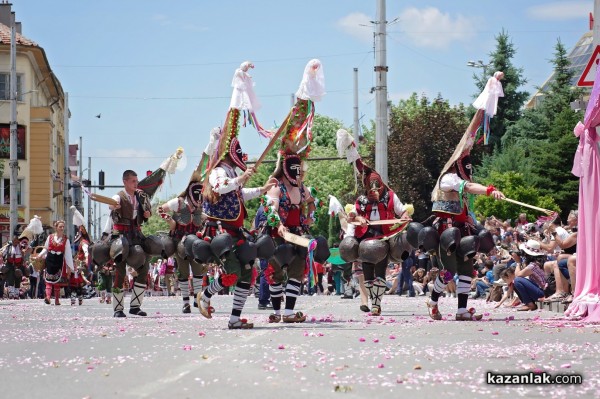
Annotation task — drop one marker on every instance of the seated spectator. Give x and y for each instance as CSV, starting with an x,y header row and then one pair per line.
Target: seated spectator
x,y
430,278
419,281
483,284
564,274
528,278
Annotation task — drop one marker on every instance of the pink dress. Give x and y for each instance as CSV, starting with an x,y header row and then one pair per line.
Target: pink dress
x,y
586,166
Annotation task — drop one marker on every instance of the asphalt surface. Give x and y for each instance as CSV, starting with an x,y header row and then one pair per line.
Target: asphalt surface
x,y
83,352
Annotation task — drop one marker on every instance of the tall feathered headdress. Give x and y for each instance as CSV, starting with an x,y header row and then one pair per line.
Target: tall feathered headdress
x,y
488,102
296,130
150,184
486,105
33,229
347,147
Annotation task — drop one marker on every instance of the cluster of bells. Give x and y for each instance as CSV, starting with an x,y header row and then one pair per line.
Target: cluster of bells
x,y
425,238
204,251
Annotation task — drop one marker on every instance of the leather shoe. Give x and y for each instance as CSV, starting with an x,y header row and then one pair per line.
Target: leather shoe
x,y
137,312
119,313
187,308
265,307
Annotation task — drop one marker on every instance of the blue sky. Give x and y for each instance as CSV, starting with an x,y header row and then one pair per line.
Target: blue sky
x,y
160,72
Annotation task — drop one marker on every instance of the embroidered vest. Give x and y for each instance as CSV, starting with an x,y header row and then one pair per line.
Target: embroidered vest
x,y
385,207
187,221
124,215
228,208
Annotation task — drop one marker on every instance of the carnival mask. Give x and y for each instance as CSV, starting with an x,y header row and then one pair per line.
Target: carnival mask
x,y
464,169
236,154
375,187
292,168
194,193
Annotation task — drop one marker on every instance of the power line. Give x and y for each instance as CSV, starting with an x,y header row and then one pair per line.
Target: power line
x,y
341,91
207,63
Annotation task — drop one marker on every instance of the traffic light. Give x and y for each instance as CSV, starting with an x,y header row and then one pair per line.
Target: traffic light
x,y
101,180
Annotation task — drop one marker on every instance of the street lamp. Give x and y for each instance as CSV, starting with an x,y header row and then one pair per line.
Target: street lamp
x,y
479,64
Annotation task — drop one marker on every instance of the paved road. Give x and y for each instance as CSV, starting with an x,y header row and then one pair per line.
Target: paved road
x,y
82,352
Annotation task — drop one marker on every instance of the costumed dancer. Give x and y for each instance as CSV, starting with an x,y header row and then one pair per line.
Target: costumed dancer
x,y
82,239
455,236
347,230
128,244
14,258
104,266
29,239
289,205
59,262
224,194
378,203
186,218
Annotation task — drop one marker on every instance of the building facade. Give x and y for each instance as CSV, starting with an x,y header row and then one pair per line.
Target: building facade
x,y
41,132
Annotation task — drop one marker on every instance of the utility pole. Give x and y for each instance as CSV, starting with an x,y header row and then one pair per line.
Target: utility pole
x,y
381,114
356,129
14,162
96,222
89,205
67,172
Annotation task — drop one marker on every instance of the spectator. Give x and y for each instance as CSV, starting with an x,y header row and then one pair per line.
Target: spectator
x,y
264,298
521,221
430,278
483,284
405,279
530,289
419,281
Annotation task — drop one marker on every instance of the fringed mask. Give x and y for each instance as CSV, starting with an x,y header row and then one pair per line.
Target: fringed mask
x,y
24,243
464,169
236,154
194,193
374,186
292,168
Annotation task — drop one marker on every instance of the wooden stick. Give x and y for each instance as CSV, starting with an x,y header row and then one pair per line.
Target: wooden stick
x,y
380,222
546,211
296,239
103,199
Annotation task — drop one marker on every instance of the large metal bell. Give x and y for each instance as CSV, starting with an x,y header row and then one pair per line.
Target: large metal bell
x,y
373,251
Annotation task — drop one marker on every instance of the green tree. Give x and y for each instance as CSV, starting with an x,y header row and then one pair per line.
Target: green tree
x,y
552,157
423,136
514,187
154,223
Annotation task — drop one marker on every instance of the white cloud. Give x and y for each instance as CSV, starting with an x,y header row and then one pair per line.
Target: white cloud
x,y
429,27
561,10
358,25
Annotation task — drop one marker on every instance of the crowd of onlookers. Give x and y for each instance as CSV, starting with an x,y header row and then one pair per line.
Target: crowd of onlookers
x,y
531,261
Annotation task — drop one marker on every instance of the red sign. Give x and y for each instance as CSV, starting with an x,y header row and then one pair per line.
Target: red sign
x,y
589,73
5,141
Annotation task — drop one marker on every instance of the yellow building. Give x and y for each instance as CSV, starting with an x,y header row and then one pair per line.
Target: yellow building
x,y
41,131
